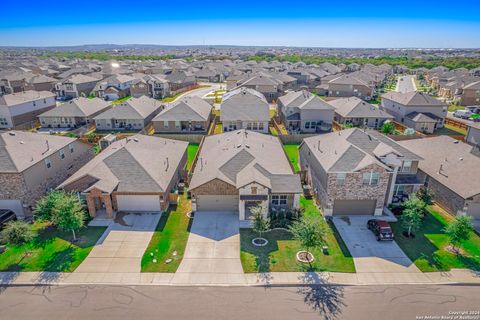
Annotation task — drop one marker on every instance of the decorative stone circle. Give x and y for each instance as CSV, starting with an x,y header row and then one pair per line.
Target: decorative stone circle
x,y
305,257
259,242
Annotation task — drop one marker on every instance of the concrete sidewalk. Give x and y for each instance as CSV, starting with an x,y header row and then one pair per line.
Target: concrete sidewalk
x,y
455,276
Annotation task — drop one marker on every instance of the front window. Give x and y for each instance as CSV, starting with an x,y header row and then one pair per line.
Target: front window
x,y
48,163
371,178
279,200
62,154
341,179
165,124
70,146
406,166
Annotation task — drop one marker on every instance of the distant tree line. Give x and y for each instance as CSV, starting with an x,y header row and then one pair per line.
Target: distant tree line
x,y
102,56
430,62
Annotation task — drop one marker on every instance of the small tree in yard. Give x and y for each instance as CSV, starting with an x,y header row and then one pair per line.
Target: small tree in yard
x,y
260,223
388,128
310,232
412,216
459,230
44,207
426,195
16,232
68,214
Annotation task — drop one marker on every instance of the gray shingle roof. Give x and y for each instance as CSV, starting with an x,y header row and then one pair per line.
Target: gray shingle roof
x,y
78,107
244,104
241,157
137,164
413,98
135,108
190,108
356,108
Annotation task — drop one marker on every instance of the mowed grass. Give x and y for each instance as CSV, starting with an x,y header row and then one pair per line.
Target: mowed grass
x,y
170,236
191,153
292,153
279,255
428,249
50,250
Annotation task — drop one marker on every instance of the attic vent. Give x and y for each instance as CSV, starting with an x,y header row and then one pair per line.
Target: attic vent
x,y
135,139
11,133
21,142
238,146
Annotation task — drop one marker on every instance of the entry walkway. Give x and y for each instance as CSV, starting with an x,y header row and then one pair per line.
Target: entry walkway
x,y
122,246
212,255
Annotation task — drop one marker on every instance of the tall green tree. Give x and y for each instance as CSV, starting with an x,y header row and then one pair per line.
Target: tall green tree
x,y
260,223
309,231
388,128
459,230
426,195
68,214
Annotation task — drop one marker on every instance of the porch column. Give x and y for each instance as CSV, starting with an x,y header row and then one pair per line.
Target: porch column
x,y
392,186
296,201
91,206
108,205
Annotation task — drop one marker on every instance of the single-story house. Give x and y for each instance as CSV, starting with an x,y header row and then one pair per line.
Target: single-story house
x,y
357,112
188,114
136,174
305,112
235,173
133,114
74,113
244,108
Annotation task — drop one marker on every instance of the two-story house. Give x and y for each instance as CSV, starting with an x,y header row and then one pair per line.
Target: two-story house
x,y
416,110
22,108
75,86
305,112
358,172
32,164
114,87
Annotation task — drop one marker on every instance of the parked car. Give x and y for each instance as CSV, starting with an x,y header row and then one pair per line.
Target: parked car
x,y
5,216
462,114
381,229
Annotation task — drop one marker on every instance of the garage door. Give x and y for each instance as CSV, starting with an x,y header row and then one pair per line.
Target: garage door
x,y
14,205
147,203
217,203
474,210
354,207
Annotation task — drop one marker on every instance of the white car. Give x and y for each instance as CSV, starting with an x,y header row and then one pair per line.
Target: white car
x,y
463,114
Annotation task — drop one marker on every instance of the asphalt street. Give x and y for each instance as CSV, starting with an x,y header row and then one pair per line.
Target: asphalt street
x,y
168,302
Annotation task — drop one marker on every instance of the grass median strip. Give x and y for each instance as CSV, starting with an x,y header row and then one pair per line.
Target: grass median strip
x,y
167,246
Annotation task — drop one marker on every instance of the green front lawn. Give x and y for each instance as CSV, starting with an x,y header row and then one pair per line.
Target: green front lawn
x,y
170,236
50,250
191,153
449,130
279,255
428,249
292,153
121,100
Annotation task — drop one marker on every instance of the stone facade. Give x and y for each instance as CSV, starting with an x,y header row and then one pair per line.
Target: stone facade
x,y
33,183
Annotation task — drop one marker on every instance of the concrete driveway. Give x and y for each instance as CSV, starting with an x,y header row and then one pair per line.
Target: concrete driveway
x,y
212,255
370,255
121,247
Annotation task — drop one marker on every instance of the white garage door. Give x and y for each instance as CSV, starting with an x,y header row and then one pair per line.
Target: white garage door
x,y
217,203
14,205
147,203
474,210
354,207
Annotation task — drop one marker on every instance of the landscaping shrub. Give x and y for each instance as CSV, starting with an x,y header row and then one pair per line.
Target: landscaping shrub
x,y
16,232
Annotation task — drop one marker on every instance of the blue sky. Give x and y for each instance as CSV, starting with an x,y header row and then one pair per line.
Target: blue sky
x,y
319,23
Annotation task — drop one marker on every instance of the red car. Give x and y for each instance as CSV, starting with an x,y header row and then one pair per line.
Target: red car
x,y
381,229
